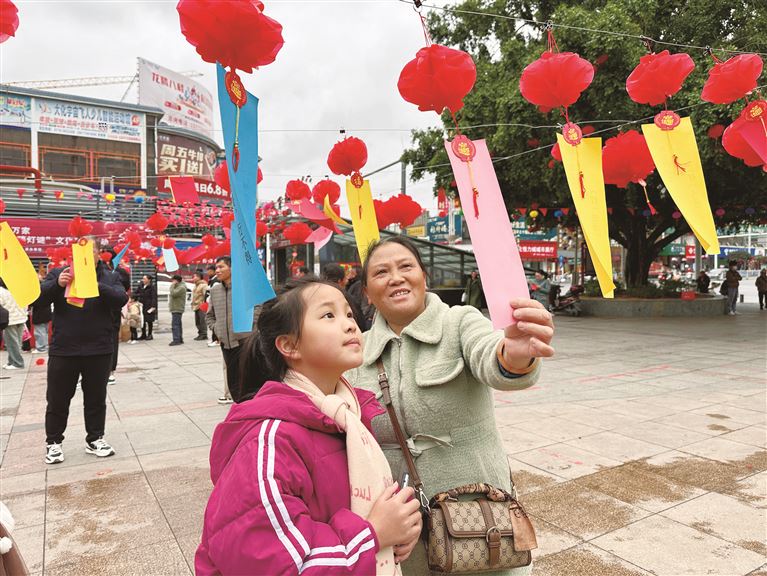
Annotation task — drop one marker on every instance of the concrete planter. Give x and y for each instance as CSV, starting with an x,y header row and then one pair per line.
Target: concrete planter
x,y
711,305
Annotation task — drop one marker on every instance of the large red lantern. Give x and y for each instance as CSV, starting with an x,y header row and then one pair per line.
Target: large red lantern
x,y
297,190
736,145
658,77
9,20
437,78
626,158
732,80
555,80
235,33
297,233
326,188
348,156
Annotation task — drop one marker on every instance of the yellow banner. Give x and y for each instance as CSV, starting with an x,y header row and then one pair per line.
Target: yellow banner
x,y
84,284
16,270
676,156
363,216
583,166
330,213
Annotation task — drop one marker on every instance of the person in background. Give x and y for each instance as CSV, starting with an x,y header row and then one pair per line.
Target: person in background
x,y
133,316
81,347
17,318
335,274
212,279
198,297
761,288
703,281
124,277
733,279
472,296
357,297
41,318
146,293
176,305
301,272
540,288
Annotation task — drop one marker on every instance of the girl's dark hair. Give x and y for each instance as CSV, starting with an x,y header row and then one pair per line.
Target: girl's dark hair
x,y
260,360
402,241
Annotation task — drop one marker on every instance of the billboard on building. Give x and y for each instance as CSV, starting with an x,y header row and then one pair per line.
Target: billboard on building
x,y
184,102
15,110
72,119
180,156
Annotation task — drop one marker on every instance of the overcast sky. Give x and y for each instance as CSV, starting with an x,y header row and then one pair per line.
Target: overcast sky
x,y
338,68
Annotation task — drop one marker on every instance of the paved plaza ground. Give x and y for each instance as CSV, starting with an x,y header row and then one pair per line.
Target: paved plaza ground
x,y
640,451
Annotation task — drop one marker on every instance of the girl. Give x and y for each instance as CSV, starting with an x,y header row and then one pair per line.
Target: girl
x,y
300,485
133,317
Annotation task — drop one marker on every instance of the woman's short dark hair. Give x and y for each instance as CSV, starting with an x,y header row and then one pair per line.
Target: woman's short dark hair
x,y
260,360
333,273
402,241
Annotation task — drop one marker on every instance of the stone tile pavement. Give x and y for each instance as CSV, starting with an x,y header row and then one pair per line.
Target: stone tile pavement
x,y
642,450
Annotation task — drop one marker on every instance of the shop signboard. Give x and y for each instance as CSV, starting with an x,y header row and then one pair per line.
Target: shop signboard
x,y
437,229
40,234
416,231
184,102
180,156
521,232
15,110
204,187
537,250
73,119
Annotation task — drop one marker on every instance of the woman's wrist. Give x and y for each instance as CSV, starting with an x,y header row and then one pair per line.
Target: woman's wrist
x,y
524,367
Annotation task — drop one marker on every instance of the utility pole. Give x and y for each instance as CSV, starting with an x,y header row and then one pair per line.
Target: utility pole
x,y
403,172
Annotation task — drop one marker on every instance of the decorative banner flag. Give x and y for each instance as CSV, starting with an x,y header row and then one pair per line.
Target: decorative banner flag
x,y
319,237
330,213
363,214
171,262
16,269
84,283
309,210
495,247
583,167
183,190
119,256
250,285
675,153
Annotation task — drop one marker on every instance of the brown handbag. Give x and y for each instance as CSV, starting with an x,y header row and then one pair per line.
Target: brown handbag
x,y
490,532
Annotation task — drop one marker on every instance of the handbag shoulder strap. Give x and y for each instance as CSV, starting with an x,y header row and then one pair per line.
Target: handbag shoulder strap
x,y
383,382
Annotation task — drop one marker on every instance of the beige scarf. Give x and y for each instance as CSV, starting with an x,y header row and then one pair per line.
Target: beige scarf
x,y
369,472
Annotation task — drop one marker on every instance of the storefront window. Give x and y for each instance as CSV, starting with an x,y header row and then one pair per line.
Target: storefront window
x,y
64,163
14,155
122,167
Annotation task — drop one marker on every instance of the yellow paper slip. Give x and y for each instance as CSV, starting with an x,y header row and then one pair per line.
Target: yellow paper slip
x,y
85,284
363,216
330,213
675,153
16,270
585,160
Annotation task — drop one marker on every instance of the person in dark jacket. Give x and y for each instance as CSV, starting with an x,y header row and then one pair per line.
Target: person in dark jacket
x,y
41,317
212,280
703,281
81,346
473,293
124,277
357,296
761,288
146,293
336,274
732,278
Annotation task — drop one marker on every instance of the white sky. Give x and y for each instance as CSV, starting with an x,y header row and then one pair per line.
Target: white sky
x,y
338,68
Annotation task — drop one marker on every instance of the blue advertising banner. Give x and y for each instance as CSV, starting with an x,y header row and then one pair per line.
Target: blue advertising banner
x,y
437,228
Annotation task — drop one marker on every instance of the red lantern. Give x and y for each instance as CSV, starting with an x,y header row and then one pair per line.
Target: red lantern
x,y
326,188
732,80
555,79
400,209
157,222
348,156
9,20
221,176
736,145
261,228
658,76
209,240
105,257
156,242
297,233
79,227
296,190
226,219
437,78
626,158
556,152
168,243
716,131
236,34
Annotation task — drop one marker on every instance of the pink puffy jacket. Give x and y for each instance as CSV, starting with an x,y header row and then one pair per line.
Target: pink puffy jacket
x,y
280,502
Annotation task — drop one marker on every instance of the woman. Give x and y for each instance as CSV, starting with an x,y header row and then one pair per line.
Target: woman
x,y
17,318
147,295
442,365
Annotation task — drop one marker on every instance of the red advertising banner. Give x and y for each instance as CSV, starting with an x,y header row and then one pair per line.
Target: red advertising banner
x,y
39,235
204,188
689,251
537,250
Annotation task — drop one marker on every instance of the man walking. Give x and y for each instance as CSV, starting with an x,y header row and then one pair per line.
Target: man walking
x,y
733,279
198,297
761,287
81,346
176,305
212,280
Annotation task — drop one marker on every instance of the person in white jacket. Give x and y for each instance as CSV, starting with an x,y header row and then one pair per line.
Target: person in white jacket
x,y
17,316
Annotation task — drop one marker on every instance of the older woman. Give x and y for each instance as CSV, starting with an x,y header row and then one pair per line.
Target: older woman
x,y
442,365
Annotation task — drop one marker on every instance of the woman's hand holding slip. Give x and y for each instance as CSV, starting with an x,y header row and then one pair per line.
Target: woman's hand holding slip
x,y
529,337
396,518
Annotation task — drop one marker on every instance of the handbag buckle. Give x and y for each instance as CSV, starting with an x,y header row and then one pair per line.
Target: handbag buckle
x,y
489,531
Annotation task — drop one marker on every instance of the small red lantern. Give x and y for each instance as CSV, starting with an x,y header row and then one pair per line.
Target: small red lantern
x,y
296,190
348,156
555,80
326,188
556,152
658,77
715,132
732,80
157,222
626,158
9,20
168,243
261,228
79,227
437,78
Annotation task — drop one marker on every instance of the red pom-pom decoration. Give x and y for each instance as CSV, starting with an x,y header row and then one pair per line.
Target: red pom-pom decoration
x,y
400,209
235,33
348,156
626,158
221,176
296,190
9,20
261,228
204,307
297,233
79,227
105,257
226,219
715,131
658,76
555,80
556,152
732,80
736,145
157,222
209,240
156,242
437,78
326,188
168,243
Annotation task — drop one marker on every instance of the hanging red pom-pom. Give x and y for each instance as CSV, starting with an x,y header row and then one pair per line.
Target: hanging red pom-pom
x,y
658,76
626,158
348,156
156,242
556,152
226,219
261,228
297,232
79,227
296,190
555,79
732,80
437,78
715,131
221,176
209,240
736,145
236,34
168,243
9,20
105,257
400,209
157,222
326,188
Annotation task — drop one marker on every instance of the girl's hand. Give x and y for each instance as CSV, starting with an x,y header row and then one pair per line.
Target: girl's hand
x,y
529,337
402,551
395,517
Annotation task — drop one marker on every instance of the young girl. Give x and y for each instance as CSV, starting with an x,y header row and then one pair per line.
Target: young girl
x,y
300,485
134,318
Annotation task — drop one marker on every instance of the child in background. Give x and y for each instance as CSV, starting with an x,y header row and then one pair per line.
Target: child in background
x,y
134,318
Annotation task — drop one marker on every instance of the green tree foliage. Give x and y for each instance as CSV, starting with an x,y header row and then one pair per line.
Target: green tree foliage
x,y
495,110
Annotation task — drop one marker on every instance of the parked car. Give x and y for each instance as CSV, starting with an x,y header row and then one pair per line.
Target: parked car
x,y
717,277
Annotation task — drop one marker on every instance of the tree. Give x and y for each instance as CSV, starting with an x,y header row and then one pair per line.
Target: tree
x,y
495,110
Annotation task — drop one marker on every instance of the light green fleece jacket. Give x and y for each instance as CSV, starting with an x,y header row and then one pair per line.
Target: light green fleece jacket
x,y
442,369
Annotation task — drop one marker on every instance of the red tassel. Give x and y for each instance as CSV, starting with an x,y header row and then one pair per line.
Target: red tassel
x,y
235,156
360,211
653,211
476,205
583,187
679,166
